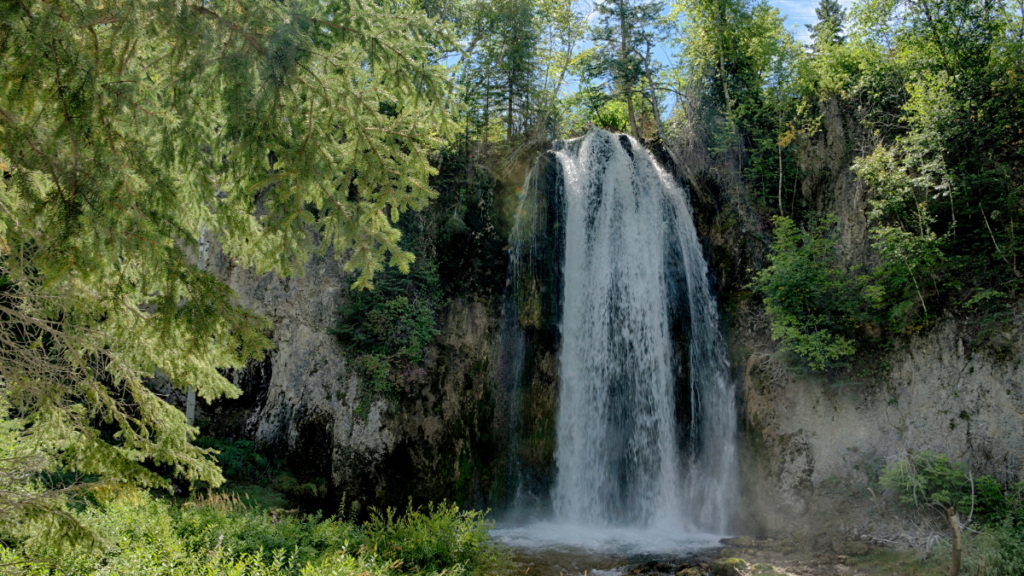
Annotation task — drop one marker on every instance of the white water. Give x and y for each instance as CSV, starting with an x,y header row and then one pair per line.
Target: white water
x,y
622,475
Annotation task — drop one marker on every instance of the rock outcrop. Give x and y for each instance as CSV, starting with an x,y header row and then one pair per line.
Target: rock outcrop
x,y
435,442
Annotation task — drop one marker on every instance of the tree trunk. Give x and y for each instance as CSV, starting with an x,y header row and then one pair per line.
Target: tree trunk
x,y
954,524
624,50
654,94
725,87
190,396
509,136
190,405
781,213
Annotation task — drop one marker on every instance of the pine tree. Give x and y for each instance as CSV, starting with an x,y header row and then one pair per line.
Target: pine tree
x,y
128,127
621,33
829,27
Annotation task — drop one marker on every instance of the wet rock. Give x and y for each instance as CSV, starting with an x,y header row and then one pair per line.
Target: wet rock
x,y
739,542
728,567
728,553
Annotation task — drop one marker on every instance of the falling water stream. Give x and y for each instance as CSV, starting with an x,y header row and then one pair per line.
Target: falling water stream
x,y
632,476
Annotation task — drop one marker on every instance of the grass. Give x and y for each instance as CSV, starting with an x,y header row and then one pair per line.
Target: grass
x,y
255,496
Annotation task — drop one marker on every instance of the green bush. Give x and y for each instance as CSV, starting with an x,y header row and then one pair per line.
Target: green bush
x,y
815,306
389,328
443,537
930,478
1000,545
240,462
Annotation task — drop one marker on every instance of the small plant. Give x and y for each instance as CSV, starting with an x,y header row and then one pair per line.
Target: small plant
x,y
931,479
220,534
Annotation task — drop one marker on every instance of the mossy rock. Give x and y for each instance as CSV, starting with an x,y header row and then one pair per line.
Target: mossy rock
x,y
765,570
739,542
691,571
728,567
728,553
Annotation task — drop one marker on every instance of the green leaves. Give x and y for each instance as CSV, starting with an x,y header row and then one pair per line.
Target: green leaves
x,y
931,478
126,129
814,304
387,330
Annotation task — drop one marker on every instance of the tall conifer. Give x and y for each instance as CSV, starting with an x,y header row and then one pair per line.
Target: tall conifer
x,y
127,127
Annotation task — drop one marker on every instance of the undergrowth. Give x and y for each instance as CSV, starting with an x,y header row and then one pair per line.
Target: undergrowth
x,y
220,534
991,513
388,329
261,478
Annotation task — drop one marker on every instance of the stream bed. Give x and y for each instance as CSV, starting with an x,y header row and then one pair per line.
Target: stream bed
x,y
560,549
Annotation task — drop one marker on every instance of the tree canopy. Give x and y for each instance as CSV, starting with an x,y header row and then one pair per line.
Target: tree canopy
x,y
129,128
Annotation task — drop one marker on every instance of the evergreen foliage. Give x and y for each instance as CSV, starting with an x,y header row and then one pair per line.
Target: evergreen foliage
x,y
621,32
128,128
513,68
828,30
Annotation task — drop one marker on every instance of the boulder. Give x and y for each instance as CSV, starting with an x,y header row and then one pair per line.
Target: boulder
x,y
728,553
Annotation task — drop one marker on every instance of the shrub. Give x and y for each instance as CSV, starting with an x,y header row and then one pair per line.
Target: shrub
x,y
144,535
389,328
815,306
930,478
443,537
239,460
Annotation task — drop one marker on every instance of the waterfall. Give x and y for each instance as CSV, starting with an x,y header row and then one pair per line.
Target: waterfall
x,y
635,296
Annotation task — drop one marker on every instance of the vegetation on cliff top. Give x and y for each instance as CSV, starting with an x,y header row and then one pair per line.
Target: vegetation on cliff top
x,y
936,85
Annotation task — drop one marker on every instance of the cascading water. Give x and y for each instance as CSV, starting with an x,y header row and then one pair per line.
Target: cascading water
x,y
632,264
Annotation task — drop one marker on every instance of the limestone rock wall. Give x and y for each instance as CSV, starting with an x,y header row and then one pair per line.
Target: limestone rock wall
x,y
436,442
807,434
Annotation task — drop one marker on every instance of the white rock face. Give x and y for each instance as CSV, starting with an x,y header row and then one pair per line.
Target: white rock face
x,y
308,408
942,394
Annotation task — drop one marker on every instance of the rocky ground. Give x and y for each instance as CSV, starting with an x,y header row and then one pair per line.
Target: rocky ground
x,y
745,556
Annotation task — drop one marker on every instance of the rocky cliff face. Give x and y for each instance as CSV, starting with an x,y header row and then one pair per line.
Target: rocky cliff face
x,y
305,402
810,438
809,441
813,443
